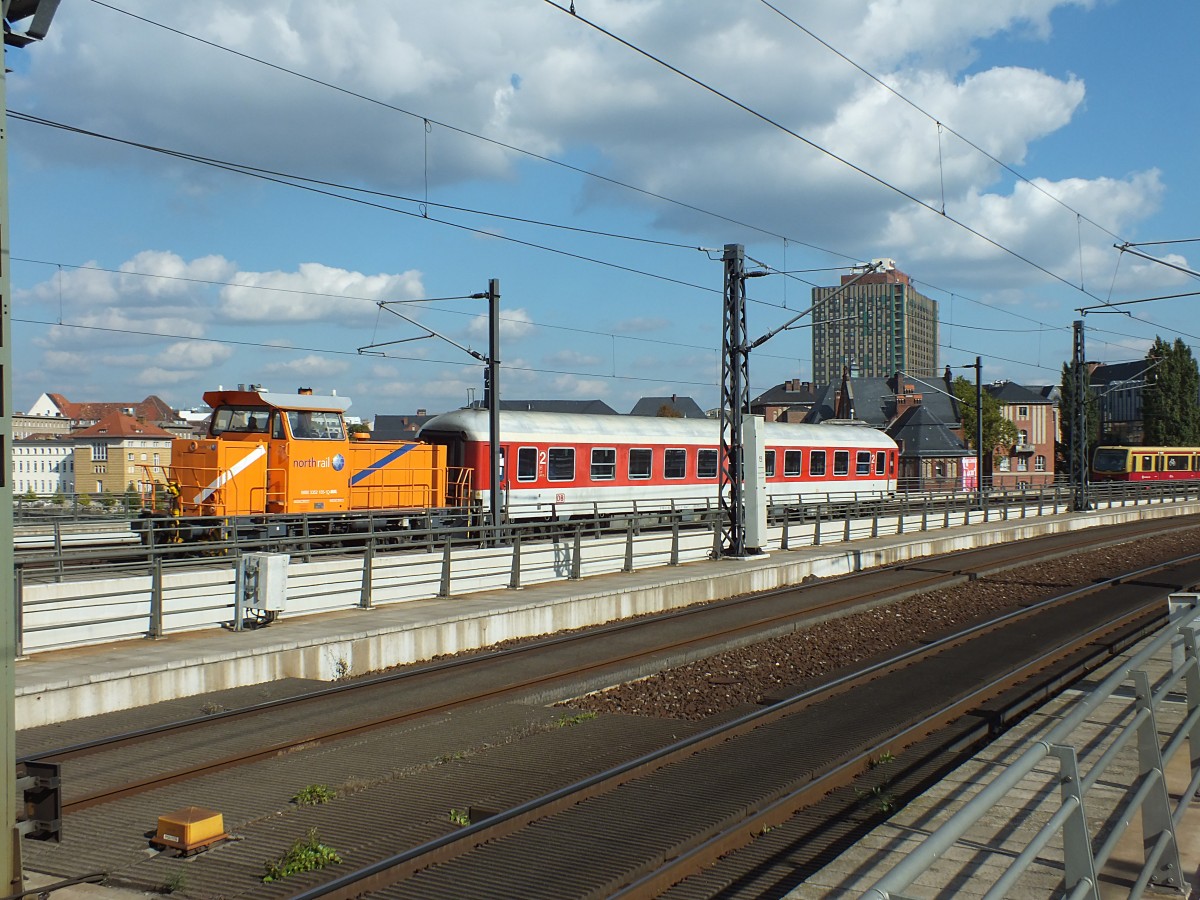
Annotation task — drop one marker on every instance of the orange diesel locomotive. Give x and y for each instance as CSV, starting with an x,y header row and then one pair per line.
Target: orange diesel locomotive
x,y
291,453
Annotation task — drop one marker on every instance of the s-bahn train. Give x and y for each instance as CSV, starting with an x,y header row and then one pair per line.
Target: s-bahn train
x,y
1146,464
270,453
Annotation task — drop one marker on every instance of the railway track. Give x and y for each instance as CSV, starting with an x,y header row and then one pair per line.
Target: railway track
x,y
97,772
757,770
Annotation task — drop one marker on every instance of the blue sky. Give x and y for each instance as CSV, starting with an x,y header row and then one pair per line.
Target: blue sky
x,y
135,272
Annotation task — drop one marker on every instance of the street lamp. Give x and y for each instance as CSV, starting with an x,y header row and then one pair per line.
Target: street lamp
x,y
978,367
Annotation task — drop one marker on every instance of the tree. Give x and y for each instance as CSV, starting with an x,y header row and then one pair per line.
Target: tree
x,y
998,432
1068,410
667,411
1170,414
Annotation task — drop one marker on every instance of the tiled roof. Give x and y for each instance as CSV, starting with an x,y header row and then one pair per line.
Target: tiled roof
x,y
1011,392
119,426
922,434
686,406
152,409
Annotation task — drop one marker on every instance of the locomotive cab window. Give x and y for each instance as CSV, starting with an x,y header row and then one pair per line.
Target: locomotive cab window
x,y
641,461
841,462
560,464
706,463
793,463
315,425
527,463
239,420
675,464
816,463
862,462
604,463
770,464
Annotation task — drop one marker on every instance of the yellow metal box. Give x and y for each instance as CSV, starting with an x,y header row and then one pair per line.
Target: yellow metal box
x,y
190,828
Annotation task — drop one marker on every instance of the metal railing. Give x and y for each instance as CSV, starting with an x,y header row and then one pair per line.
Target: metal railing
x,y
70,597
1073,821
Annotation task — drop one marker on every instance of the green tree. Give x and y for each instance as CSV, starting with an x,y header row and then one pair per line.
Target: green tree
x,y
1170,410
1068,409
998,432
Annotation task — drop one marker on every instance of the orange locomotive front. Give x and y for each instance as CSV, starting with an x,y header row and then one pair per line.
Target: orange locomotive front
x,y
290,453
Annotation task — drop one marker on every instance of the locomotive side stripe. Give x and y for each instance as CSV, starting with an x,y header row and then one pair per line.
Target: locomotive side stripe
x,y
231,473
380,463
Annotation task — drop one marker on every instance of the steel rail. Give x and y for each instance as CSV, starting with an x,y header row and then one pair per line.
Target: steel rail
x,y
927,578
398,866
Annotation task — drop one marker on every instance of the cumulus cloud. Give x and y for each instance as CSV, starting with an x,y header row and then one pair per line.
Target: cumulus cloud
x,y
314,292
514,325
310,366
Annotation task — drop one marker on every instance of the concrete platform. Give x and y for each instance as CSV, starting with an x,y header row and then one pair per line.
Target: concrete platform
x,y
62,685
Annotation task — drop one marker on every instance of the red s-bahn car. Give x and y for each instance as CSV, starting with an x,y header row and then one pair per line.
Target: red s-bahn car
x,y
557,464
1146,464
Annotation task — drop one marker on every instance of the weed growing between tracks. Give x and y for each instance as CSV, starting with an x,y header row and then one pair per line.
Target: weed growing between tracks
x,y
306,855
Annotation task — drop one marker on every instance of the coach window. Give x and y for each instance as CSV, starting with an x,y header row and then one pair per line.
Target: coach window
x,y
706,463
640,462
771,464
793,463
1147,464
816,463
561,464
1177,463
841,462
862,462
880,462
527,463
675,464
604,463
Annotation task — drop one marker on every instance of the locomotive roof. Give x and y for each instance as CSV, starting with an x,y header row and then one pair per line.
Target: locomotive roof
x,y
543,426
315,402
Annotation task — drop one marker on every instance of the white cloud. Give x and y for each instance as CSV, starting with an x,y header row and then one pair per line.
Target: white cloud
x,y
310,366
194,355
574,387
514,325
156,376
314,292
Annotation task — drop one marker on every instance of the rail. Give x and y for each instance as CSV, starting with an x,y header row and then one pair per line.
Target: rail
x,y
121,593
1073,821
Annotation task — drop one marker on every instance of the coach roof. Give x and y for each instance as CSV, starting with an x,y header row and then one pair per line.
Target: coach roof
x,y
538,427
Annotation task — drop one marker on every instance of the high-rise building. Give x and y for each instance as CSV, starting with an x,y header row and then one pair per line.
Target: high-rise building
x,y
876,327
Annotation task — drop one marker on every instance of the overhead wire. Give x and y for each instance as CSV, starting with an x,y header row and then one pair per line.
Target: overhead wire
x,y
208,282
932,118
426,120
459,130
774,123
580,170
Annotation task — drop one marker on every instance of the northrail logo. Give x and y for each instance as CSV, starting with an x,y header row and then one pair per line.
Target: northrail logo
x,y
313,463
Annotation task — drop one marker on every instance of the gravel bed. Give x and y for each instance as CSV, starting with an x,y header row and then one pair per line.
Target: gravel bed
x,y
743,676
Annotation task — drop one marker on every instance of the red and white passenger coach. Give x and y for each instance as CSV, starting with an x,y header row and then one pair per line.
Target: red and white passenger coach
x,y
560,464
